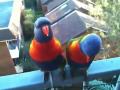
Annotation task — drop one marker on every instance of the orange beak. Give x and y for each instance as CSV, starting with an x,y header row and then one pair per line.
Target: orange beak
x,y
45,30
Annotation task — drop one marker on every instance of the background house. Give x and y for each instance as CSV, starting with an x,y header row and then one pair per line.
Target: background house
x,y
10,34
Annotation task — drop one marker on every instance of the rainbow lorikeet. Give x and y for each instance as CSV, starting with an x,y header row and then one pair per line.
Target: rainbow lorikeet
x,y
82,50
45,50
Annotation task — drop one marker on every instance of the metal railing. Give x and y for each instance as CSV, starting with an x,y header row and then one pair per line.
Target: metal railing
x,y
98,70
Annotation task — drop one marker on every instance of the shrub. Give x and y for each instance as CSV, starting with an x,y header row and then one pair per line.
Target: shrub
x,y
28,24
110,13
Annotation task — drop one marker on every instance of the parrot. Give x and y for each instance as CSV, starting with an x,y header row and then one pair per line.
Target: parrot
x,y
81,51
45,50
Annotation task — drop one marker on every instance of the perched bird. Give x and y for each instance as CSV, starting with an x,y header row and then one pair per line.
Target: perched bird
x,y
45,50
81,51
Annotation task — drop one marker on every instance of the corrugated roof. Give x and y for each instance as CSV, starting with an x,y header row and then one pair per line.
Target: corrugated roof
x,y
65,8
51,4
68,27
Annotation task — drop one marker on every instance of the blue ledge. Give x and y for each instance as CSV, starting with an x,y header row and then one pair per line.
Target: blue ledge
x,y
5,12
35,80
21,81
104,68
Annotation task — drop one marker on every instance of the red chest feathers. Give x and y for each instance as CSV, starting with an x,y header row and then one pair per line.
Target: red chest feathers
x,y
47,51
75,54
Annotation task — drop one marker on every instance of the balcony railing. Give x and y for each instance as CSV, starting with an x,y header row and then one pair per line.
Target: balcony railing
x,y
35,80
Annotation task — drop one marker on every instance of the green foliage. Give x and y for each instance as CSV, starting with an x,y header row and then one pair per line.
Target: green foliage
x,y
108,10
28,65
30,3
24,58
28,24
30,14
38,14
112,14
28,29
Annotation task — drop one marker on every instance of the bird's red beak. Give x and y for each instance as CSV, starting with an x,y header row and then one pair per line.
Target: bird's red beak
x,y
45,30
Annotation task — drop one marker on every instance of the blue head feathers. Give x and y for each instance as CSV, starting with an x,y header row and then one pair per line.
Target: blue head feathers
x,y
91,44
42,29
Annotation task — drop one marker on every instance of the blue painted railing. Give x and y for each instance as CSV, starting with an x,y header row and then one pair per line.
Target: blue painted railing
x,y
35,80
